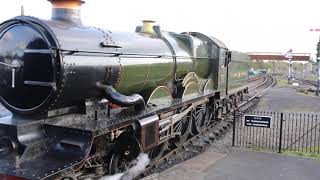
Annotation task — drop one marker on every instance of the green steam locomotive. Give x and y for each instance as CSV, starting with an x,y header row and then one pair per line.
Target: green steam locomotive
x,y
86,101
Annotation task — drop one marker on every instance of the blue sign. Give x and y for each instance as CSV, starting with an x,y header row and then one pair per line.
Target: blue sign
x,y
257,121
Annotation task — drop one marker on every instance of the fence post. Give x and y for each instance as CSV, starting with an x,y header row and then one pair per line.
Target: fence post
x,y
280,138
234,128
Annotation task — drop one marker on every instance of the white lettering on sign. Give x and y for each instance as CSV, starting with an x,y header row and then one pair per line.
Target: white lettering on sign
x,y
257,121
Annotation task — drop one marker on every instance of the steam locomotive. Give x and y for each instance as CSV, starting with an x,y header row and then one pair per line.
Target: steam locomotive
x,y
86,101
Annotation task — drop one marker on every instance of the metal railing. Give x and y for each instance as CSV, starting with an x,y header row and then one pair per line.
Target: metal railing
x,y
294,132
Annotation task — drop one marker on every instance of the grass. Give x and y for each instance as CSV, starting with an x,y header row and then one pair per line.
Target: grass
x,y
304,92
260,149
313,149
312,77
282,82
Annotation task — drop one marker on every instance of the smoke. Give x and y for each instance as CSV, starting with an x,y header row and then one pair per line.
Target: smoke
x,y
113,177
142,162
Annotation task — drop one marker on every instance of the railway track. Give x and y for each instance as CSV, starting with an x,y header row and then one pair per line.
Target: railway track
x,y
217,128
252,79
259,90
255,86
305,81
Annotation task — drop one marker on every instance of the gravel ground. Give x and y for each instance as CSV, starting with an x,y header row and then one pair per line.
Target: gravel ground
x,y
222,145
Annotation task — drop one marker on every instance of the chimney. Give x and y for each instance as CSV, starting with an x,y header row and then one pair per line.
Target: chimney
x,y
147,27
66,10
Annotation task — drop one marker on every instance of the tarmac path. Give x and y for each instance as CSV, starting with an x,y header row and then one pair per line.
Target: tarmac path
x,y
243,164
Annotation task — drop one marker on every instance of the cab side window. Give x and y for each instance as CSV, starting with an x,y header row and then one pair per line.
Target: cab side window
x,y
214,52
201,48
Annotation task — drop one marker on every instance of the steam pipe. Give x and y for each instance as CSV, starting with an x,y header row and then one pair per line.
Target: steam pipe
x,y
117,98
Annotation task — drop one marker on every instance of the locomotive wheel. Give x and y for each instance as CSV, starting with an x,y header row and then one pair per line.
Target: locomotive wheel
x,y
229,106
157,152
208,115
217,111
184,127
124,155
201,116
68,177
241,96
120,163
237,100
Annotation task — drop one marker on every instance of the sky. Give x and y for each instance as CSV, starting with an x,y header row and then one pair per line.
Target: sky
x,y
243,25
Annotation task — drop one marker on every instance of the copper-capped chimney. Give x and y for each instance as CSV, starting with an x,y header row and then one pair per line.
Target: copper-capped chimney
x,y
67,10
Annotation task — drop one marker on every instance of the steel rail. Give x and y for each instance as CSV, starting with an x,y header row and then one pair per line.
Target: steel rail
x,y
261,92
255,87
310,82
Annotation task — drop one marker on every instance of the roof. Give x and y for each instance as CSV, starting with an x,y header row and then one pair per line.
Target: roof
x,y
218,42
276,56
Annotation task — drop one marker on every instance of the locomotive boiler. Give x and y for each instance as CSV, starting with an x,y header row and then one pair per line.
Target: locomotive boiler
x,y
59,63
86,101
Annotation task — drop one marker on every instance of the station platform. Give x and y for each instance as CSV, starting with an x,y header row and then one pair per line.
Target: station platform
x,y
242,164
